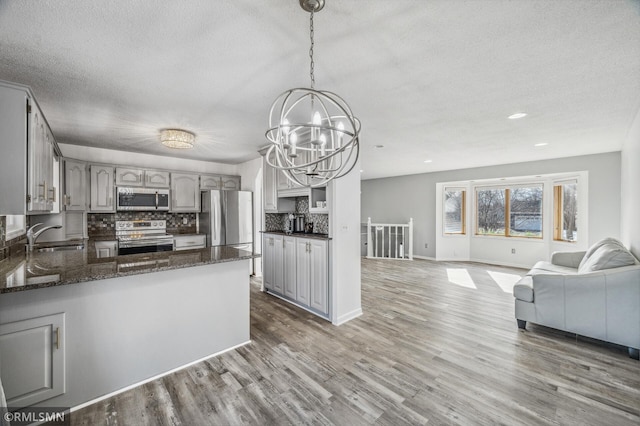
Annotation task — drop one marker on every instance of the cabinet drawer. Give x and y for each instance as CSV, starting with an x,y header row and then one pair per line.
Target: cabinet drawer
x,y
189,242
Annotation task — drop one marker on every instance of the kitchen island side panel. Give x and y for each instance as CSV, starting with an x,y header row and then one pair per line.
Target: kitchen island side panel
x,y
121,331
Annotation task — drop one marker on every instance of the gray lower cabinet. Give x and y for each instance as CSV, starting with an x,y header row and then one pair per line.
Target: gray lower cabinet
x,y
106,249
289,267
32,354
188,242
298,269
273,272
319,275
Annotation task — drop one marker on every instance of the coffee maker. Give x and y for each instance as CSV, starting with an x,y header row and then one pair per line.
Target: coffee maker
x,y
290,223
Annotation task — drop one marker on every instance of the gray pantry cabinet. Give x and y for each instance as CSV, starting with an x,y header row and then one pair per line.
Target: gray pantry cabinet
x,y
297,268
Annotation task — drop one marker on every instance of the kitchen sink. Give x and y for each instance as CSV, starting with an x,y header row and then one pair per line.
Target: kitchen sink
x,y
61,248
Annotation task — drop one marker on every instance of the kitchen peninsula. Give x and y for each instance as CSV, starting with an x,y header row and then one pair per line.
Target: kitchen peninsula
x,y
107,324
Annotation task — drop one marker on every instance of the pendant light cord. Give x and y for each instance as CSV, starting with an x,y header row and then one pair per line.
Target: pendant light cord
x,y
313,78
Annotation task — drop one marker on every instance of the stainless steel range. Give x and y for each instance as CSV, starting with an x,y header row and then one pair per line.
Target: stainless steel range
x,y
143,236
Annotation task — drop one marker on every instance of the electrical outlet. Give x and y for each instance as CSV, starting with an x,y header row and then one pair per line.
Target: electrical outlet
x,y
513,251
426,245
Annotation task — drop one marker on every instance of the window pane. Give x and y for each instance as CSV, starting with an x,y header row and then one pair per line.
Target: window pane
x,y
454,212
570,212
491,211
525,213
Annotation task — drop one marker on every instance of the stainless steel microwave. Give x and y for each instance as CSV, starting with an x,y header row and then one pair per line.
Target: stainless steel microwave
x,y
149,199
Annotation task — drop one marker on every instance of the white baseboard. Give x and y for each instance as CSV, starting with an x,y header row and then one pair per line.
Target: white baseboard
x,y
348,316
150,379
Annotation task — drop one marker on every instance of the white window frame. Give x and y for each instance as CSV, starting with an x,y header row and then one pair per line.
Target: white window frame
x,y
16,226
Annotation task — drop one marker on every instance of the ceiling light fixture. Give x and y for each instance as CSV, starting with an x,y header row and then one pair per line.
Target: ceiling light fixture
x,y
428,161
541,144
179,139
326,147
517,115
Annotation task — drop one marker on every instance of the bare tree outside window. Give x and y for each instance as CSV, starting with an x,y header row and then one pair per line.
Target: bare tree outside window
x,y
491,211
454,206
566,212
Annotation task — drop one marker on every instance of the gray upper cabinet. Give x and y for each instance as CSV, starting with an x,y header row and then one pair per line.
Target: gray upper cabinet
x,y
210,182
139,177
41,191
231,183
185,192
156,179
271,202
75,185
129,177
28,149
102,189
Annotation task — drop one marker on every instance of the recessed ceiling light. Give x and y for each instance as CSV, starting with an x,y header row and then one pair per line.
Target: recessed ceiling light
x,y
361,171
378,146
517,115
541,144
428,161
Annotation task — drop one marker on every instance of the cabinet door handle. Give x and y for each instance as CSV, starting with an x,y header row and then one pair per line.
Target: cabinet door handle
x,y
57,337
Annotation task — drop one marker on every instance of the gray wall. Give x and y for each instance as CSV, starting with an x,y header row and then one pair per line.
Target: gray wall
x,y
631,188
396,199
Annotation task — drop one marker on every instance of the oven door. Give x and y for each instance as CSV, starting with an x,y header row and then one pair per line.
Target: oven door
x,y
144,246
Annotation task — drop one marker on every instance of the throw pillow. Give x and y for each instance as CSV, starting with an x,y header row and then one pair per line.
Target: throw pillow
x,y
607,256
596,246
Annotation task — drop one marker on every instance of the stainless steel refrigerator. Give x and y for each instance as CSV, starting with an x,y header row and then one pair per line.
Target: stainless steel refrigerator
x,y
227,218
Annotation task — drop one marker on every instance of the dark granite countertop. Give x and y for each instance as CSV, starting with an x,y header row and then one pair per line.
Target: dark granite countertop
x,y
27,271
300,234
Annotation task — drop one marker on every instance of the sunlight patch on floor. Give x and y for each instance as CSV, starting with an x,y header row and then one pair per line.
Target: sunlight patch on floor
x,y
504,281
460,277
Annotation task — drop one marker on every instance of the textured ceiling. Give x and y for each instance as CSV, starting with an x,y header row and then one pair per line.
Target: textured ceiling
x,y
429,80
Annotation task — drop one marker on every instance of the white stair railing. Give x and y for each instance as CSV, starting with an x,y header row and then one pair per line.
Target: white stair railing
x,y
390,240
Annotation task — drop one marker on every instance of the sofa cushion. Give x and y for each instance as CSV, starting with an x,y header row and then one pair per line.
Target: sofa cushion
x,y
523,290
596,246
543,267
607,256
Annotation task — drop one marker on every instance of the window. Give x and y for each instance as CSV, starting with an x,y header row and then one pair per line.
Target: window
x,y
15,226
510,212
565,215
454,211
490,211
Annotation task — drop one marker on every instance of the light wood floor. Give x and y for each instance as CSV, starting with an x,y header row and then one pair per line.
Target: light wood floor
x,y
425,351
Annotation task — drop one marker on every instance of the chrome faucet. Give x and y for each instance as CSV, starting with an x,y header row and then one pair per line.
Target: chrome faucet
x,y
33,236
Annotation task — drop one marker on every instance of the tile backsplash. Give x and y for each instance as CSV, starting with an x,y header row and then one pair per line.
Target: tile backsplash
x,y
277,221
101,224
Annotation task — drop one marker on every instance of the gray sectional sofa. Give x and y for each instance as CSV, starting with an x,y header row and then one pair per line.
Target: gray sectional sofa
x,y
594,293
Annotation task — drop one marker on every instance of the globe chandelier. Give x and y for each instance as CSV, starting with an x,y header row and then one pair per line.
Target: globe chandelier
x,y
313,133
